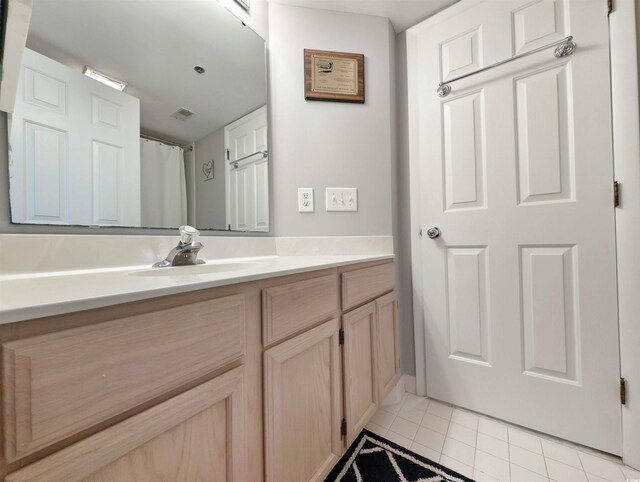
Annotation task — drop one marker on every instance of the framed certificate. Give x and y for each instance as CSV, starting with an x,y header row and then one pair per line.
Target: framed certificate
x,y
333,76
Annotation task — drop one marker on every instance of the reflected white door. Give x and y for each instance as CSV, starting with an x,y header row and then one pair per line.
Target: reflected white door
x,y
75,155
516,170
247,179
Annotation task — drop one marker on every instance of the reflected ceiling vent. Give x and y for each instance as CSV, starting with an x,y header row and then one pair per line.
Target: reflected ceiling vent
x,y
182,114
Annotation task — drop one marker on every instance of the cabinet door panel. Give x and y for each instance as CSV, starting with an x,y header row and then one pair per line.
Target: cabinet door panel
x,y
303,402
361,391
387,343
197,435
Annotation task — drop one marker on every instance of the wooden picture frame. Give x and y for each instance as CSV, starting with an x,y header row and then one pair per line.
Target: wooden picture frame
x,y
333,76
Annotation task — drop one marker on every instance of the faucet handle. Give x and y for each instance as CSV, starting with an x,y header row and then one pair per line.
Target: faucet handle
x,y
188,233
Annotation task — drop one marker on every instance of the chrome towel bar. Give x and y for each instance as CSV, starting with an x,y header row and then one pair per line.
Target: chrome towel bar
x,y
564,48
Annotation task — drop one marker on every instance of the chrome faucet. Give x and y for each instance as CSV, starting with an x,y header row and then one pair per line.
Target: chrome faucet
x,y
186,252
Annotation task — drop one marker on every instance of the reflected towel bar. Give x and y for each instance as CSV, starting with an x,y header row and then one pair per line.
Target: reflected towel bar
x,y
235,163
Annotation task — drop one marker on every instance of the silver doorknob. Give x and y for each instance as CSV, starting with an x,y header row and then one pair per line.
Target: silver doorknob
x,y
433,232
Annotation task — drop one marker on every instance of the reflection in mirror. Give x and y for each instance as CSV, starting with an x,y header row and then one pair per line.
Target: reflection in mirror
x,y
140,113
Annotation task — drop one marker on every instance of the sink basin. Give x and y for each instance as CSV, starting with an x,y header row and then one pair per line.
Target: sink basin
x,y
198,269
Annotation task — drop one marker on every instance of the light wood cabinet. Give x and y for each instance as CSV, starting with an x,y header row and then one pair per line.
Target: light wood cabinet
x,y
303,400
265,380
294,307
197,435
360,368
387,358
59,384
305,432
362,285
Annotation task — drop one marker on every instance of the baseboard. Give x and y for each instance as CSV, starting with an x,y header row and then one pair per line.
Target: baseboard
x,y
409,383
405,384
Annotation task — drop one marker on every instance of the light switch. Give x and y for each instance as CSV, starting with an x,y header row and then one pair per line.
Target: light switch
x,y
341,199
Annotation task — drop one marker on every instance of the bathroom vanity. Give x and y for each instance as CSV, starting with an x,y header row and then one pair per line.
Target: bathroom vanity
x,y
268,379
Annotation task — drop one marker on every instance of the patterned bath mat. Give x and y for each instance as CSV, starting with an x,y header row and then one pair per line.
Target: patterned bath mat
x,y
372,458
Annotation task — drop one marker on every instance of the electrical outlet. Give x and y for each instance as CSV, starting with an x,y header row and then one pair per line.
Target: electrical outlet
x,y
342,199
305,199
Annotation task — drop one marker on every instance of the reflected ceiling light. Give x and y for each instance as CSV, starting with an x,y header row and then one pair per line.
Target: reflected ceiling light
x,y
105,79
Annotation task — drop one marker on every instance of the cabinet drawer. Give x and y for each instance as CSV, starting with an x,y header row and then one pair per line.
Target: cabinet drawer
x,y
197,435
365,284
294,307
59,384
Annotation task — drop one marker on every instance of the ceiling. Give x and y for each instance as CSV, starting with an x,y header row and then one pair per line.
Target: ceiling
x,y
154,50
402,13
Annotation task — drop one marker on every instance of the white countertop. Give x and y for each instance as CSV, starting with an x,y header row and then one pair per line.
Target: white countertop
x,y
34,295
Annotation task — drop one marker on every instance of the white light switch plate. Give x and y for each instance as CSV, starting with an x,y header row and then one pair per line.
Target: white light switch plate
x,y
342,199
305,200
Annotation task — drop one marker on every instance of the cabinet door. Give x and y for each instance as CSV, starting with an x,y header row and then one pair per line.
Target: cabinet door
x,y
387,343
361,391
303,403
198,435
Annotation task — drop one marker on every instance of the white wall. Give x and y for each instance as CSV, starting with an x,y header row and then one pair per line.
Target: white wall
x,y
210,195
330,144
402,233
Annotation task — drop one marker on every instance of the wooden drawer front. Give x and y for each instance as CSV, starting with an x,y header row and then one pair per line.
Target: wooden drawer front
x,y
293,307
59,384
362,285
197,435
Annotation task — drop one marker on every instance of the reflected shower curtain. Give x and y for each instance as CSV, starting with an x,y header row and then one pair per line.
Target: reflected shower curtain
x,y
163,186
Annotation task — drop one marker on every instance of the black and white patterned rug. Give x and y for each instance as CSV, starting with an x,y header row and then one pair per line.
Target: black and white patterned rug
x,y
372,458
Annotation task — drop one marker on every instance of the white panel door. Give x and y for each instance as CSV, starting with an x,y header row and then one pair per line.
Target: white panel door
x,y
516,170
74,155
247,179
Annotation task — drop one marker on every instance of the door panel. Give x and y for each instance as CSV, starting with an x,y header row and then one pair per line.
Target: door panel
x,y
464,152
468,303
537,24
516,170
546,164
549,336
66,132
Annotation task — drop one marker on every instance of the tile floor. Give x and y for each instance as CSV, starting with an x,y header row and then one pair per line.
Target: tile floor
x,y
488,450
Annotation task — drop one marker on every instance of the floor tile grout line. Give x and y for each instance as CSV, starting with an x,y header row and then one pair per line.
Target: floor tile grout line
x,y
576,448
509,452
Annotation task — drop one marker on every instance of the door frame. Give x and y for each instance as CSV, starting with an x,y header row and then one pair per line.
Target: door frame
x,y
623,31
624,50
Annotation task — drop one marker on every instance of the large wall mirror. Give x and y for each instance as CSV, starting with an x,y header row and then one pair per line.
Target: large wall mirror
x,y
140,113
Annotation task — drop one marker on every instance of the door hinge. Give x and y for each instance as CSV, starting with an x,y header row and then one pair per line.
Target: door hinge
x,y
616,194
609,6
623,391
227,152
341,336
343,428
